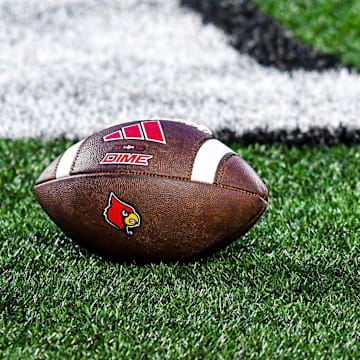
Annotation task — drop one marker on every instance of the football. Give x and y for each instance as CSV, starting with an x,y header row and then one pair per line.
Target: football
x,y
152,190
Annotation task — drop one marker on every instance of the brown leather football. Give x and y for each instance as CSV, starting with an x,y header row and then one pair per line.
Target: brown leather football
x,y
152,190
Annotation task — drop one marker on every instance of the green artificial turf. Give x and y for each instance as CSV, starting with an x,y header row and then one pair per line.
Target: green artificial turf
x,y
288,289
331,26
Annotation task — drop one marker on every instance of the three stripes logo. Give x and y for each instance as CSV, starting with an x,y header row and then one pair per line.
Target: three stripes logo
x,y
146,130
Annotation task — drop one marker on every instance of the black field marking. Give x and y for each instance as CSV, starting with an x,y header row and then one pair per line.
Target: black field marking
x,y
260,36
314,136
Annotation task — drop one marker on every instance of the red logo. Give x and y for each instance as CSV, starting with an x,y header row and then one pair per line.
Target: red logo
x,y
120,215
146,130
126,158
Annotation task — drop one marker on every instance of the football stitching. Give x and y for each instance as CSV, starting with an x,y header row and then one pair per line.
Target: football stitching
x,y
224,161
171,177
77,155
57,164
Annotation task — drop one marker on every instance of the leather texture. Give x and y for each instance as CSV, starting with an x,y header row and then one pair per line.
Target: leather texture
x,y
179,218
174,158
236,172
49,173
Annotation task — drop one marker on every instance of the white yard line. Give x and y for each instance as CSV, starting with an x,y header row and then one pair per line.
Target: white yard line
x,y
70,68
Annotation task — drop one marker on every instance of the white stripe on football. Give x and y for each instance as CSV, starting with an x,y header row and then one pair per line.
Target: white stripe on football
x,y
207,160
66,160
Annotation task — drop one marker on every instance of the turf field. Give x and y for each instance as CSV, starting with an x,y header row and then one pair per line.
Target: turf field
x,y
288,289
330,26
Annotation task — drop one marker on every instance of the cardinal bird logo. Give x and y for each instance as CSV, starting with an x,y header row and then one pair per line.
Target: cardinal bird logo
x,y
120,215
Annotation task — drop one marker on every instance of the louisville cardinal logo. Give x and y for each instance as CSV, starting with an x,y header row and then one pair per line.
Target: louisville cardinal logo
x,y
120,215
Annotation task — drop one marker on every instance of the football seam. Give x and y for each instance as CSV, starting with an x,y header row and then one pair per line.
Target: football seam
x,y
57,164
77,154
170,177
224,160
